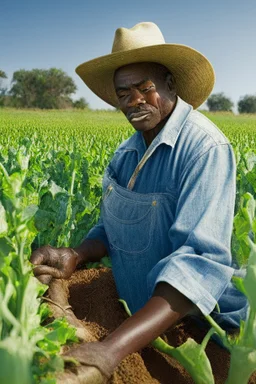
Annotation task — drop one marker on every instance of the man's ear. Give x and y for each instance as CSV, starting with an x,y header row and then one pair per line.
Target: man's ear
x,y
171,82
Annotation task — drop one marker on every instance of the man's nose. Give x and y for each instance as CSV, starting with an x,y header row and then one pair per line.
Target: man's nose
x,y
136,98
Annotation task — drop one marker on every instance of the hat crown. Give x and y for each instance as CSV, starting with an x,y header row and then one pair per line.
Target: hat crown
x,y
141,35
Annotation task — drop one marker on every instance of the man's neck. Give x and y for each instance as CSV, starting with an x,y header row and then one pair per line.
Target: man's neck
x,y
152,133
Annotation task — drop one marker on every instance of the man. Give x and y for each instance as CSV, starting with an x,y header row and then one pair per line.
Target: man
x,y
168,197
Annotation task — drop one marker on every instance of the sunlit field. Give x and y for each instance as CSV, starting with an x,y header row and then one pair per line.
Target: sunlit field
x,y
51,168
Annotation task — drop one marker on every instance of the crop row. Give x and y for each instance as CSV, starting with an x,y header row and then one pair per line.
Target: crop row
x,y
51,168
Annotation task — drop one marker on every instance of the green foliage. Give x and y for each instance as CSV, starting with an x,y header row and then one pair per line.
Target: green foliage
x,y
50,192
247,104
19,290
46,360
22,336
51,170
243,347
3,91
80,103
219,102
244,229
193,358
15,360
3,74
40,88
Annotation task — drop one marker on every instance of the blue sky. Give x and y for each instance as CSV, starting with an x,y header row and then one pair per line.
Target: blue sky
x,y
63,34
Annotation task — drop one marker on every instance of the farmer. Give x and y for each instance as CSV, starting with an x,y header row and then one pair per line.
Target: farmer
x,y
168,197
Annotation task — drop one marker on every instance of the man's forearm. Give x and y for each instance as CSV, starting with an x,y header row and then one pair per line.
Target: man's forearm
x,y
90,250
162,311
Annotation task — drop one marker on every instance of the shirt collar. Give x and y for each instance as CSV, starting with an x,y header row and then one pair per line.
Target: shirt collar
x,y
170,132
174,124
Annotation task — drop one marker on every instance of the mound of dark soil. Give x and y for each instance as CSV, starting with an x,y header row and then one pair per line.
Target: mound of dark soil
x,y
94,300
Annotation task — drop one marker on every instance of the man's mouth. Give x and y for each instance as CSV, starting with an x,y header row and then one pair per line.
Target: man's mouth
x,y
139,116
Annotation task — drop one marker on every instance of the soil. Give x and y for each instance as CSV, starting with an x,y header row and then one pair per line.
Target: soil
x,y
94,300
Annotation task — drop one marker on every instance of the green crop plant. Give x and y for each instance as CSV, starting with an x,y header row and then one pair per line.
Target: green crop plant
x,y
52,164
22,337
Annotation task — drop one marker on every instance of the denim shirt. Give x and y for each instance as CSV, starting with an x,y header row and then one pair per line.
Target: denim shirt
x,y
167,216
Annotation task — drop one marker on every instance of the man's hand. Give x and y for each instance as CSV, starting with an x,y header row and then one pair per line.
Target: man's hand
x,y
60,263
163,310
52,262
95,354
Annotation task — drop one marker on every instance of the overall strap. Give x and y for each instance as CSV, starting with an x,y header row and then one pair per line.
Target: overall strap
x,y
141,164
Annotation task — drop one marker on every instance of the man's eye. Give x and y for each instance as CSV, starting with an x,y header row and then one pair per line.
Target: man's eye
x,y
147,88
121,96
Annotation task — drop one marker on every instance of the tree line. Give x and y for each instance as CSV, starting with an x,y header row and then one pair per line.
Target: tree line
x,y
52,88
40,88
220,102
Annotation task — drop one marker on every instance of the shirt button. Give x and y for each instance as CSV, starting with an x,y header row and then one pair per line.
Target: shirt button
x,y
154,203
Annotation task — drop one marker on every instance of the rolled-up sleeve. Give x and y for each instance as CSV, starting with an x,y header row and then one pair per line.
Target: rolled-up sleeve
x,y
200,263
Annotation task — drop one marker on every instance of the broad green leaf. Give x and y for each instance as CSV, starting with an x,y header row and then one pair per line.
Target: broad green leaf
x,y
60,331
250,206
239,284
49,346
5,249
250,160
54,189
43,220
3,222
29,212
251,177
254,228
194,359
15,361
242,224
23,160
250,278
30,317
242,365
16,180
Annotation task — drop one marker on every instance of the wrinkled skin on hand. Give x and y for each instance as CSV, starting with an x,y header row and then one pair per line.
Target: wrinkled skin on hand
x,y
95,354
51,262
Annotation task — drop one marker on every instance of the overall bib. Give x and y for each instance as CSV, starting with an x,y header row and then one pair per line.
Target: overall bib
x,y
136,225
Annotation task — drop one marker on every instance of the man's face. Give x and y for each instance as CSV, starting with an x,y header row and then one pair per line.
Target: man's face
x,y
143,94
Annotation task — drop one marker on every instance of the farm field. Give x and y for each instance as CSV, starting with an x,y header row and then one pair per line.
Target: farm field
x,y
51,168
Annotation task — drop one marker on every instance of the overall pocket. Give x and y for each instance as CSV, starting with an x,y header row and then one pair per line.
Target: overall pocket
x,y
128,222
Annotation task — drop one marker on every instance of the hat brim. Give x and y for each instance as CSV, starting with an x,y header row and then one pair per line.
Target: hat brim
x,y
193,73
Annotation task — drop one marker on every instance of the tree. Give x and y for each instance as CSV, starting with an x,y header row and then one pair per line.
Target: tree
x,y
247,104
80,103
2,90
219,102
3,74
41,88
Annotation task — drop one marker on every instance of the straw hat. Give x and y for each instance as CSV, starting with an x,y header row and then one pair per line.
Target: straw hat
x,y
144,42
